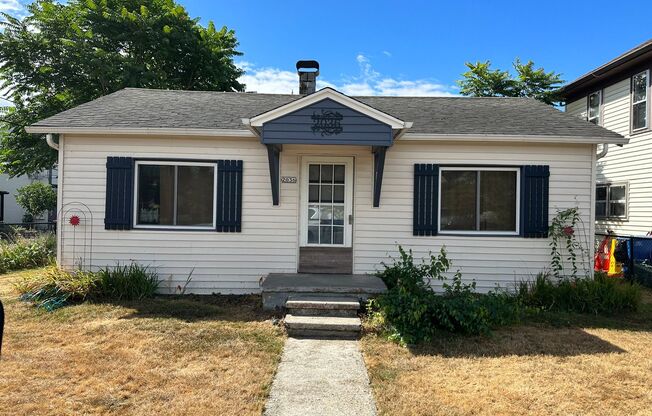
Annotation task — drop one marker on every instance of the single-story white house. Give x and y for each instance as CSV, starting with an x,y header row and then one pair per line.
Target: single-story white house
x,y
234,186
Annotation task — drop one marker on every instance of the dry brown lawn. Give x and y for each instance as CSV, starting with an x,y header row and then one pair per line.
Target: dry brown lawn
x,y
569,365
209,355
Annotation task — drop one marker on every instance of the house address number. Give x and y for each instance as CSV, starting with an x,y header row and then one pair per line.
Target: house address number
x,y
288,179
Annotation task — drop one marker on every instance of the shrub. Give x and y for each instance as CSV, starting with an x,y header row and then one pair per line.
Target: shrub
x,y
36,198
55,287
597,295
23,253
127,282
412,312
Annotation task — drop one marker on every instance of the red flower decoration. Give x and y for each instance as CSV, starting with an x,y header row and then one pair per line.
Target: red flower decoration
x,y
74,220
569,230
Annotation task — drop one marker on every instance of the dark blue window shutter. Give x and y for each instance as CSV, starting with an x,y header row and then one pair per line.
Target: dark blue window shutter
x,y
228,209
534,201
426,193
119,193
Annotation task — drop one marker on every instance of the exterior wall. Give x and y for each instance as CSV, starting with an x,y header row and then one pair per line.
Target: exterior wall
x,y
234,262
631,163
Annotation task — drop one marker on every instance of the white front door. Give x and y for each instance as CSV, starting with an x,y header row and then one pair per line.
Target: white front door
x,y
326,201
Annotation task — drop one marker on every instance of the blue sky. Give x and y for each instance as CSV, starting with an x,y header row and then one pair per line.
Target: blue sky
x,y
416,47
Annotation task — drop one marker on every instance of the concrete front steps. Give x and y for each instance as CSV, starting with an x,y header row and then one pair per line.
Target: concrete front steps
x,y
323,317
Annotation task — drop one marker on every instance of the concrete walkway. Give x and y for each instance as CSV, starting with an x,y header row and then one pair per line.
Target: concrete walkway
x,y
321,377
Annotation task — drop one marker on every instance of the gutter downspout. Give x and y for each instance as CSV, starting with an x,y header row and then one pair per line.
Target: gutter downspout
x,y
603,152
49,139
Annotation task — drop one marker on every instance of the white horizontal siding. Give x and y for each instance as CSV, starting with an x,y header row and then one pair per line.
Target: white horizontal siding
x,y
234,262
220,262
631,163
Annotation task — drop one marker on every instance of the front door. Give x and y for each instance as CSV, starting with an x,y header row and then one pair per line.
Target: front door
x,y
326,215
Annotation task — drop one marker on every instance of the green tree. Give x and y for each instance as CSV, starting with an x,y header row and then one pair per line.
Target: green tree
x,y
36,198
65,54
483,81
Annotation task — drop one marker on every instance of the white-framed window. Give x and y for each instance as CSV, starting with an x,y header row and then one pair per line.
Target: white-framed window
x,y
594,106
640,83
479,200
611,200
175,194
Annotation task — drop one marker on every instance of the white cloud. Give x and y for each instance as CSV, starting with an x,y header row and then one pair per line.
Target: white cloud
x,y
387,54
367,82
12,7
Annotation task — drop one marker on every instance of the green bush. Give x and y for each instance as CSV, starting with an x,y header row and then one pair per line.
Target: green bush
x,y
36,198
24,253
127,282
55,287
412,312
597,295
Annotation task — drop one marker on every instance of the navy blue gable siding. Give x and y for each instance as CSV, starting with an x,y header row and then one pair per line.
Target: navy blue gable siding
x,y
119,193
534,201
297,127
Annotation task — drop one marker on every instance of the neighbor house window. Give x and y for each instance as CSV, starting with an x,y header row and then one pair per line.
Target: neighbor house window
x,y
593,113
479,200
639,100
611,201
175,194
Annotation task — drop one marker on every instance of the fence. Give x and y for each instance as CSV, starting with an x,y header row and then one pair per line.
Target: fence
x,y
633,253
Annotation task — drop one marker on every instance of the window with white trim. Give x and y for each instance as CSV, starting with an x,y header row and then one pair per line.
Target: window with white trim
x,y
593,111
639,100
611,200
479,200
175,194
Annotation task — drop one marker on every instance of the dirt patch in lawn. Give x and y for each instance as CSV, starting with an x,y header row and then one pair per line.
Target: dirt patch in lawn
x,y
191,355
569,364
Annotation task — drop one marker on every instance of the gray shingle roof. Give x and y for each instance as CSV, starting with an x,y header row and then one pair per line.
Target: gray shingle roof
x,y
147,108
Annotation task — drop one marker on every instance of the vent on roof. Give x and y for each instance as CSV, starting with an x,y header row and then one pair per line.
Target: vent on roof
x,y
308,72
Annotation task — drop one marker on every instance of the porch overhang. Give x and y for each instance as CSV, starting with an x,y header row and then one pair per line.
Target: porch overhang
x,y
326,117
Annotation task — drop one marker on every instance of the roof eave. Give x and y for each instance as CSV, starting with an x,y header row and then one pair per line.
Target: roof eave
x,y
514,138
38,129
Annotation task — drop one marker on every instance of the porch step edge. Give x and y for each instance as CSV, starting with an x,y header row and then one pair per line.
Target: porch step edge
x,y
295,302
323,323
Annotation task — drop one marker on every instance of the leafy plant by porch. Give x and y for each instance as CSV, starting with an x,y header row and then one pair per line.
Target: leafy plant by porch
x,y
411,311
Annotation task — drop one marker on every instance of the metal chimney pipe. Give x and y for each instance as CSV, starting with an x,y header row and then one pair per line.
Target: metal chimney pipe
x,y
308,72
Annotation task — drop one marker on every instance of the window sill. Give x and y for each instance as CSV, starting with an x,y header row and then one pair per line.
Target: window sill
x,y
639,132
619,219
474,235
184,229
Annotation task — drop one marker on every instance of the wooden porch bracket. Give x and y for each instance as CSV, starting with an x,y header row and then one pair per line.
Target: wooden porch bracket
x,y
379,167
274,159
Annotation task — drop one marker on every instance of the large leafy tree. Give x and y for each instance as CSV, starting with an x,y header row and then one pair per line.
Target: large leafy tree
x,y
65,54
483,81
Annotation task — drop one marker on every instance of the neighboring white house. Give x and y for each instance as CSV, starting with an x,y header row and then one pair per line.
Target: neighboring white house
x,y
238,185
616,96
10,211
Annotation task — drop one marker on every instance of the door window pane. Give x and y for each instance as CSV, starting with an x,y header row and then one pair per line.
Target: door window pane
x,y
326,190
155,204
497,201
458,200
313,173
313,193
